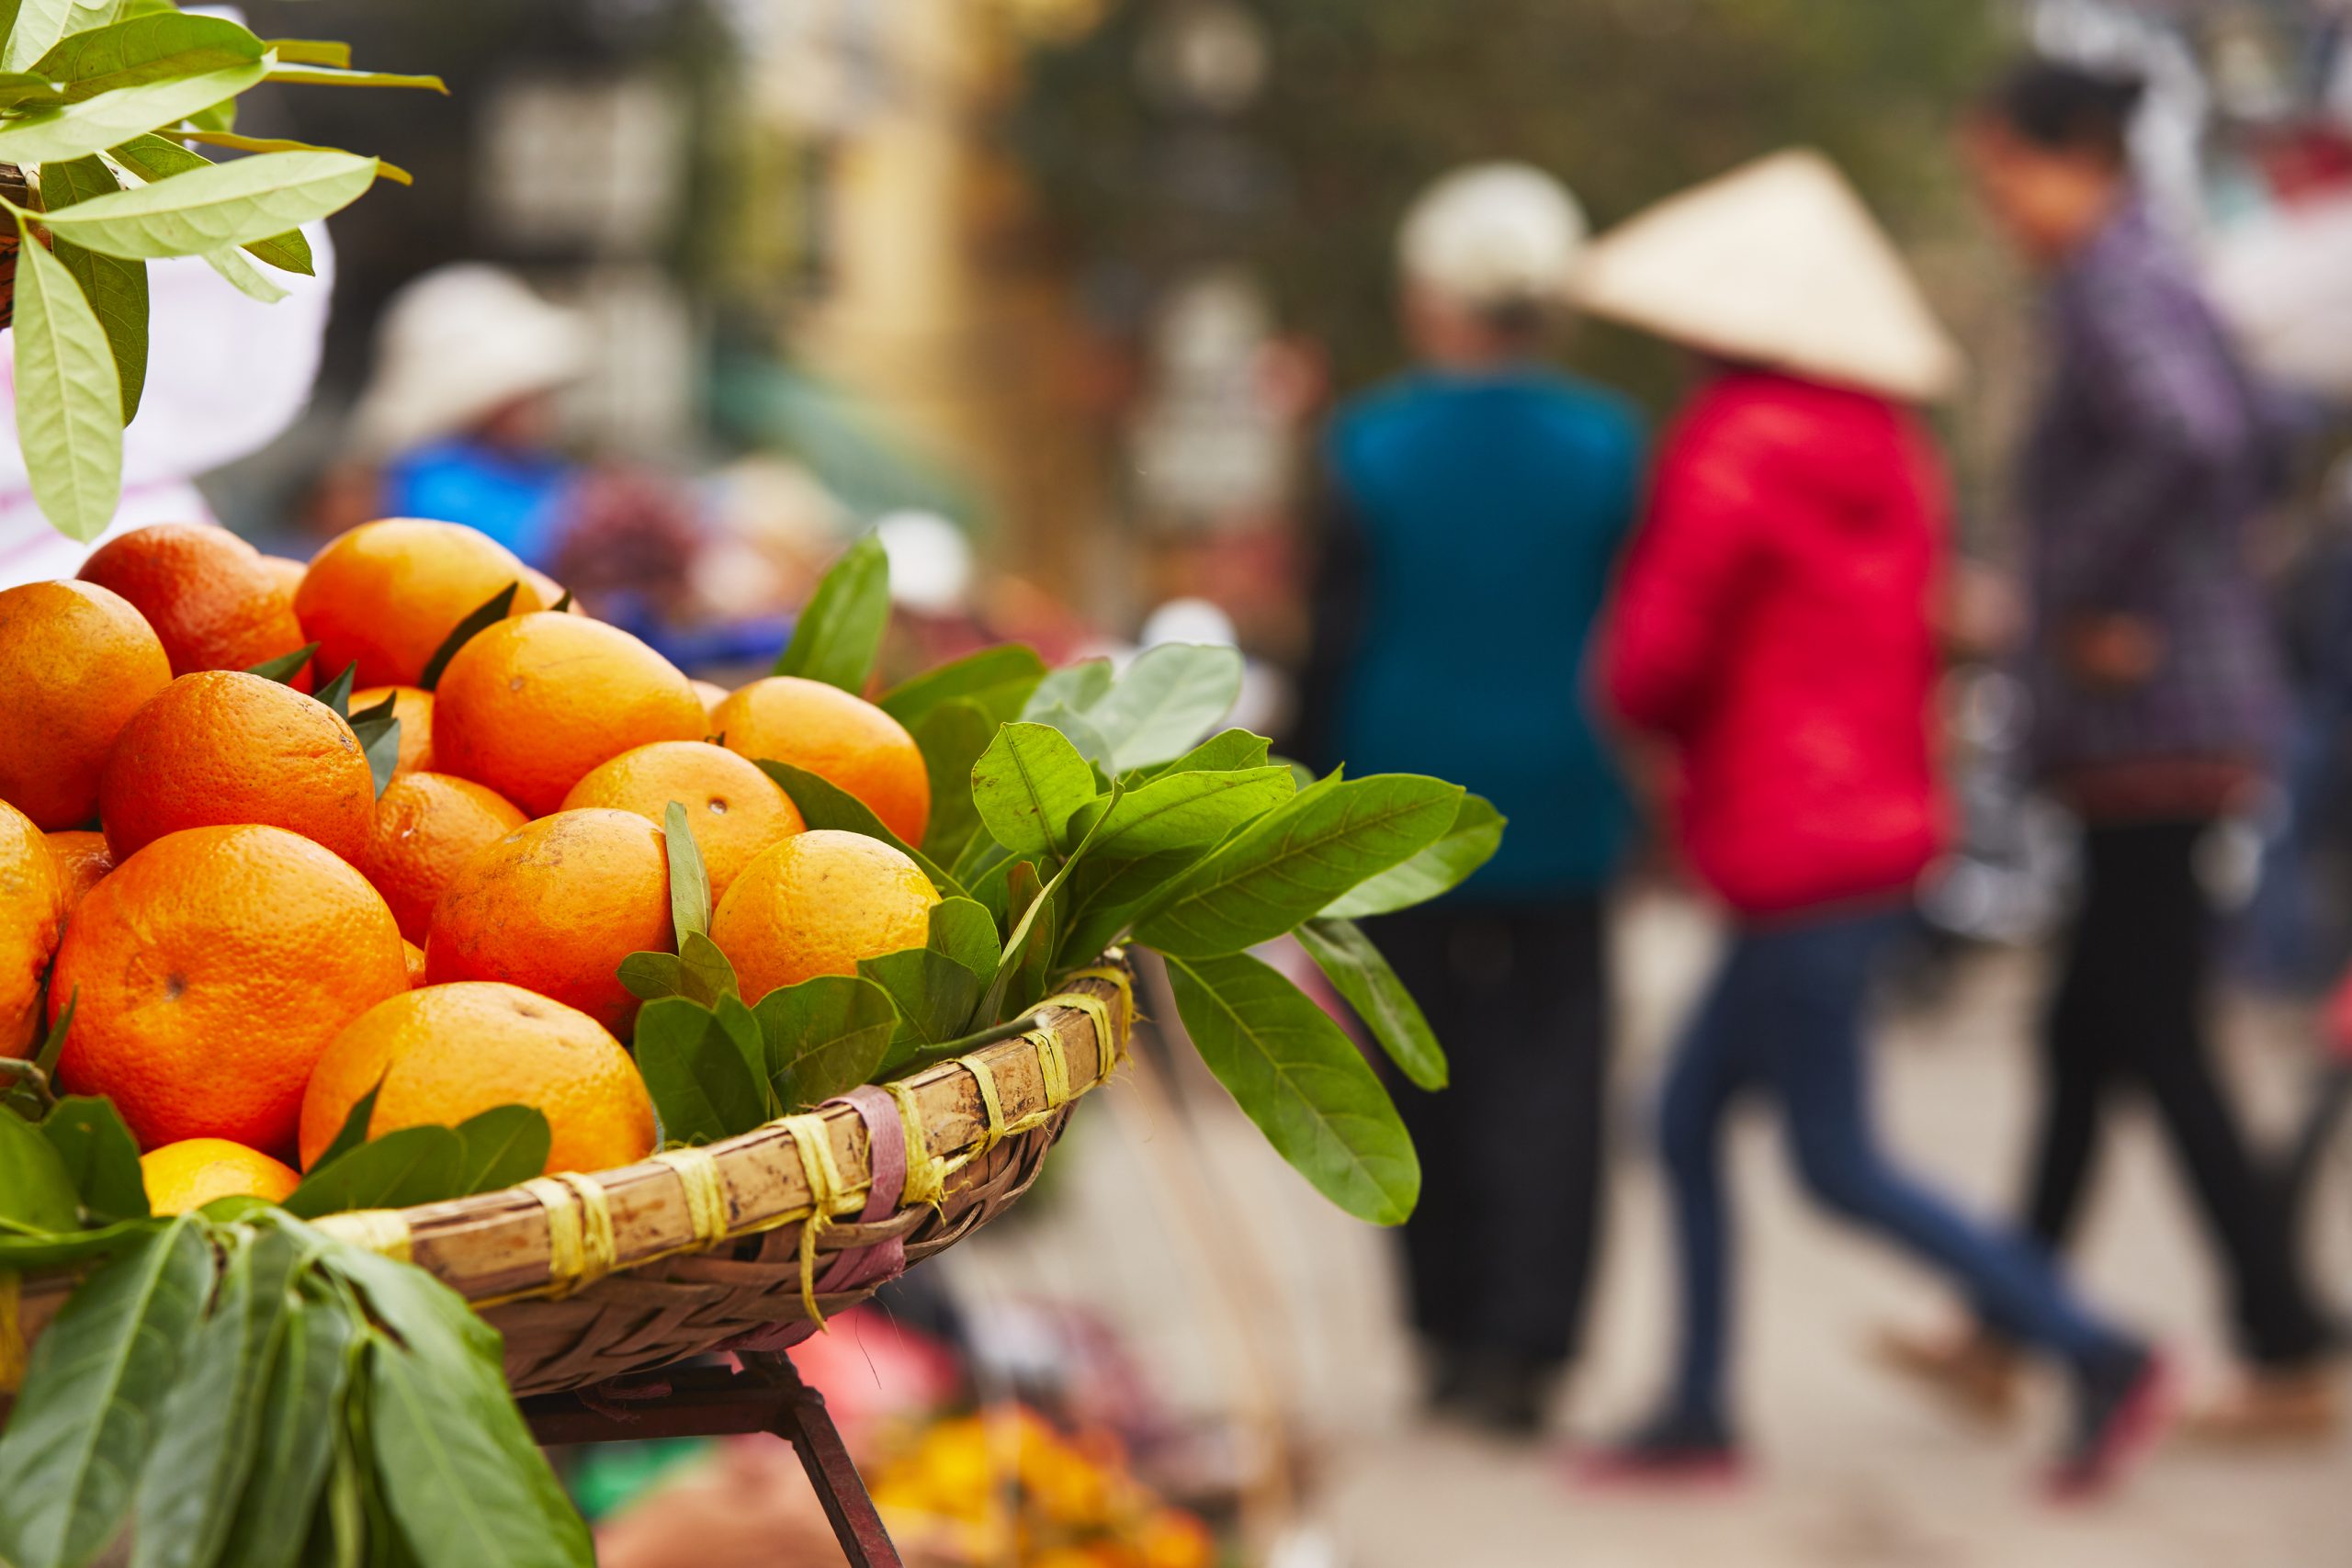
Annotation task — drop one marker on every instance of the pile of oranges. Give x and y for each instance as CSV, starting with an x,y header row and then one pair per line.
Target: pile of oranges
x,y
197,860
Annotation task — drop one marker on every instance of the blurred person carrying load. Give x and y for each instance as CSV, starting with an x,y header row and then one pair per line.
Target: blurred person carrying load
x,y
1475,509
2158,703
1772,628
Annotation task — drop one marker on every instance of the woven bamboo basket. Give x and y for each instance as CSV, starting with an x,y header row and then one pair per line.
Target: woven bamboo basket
x,y
748,1244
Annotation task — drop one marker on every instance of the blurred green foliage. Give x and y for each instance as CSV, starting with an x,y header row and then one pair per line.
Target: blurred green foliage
x,y
1365,100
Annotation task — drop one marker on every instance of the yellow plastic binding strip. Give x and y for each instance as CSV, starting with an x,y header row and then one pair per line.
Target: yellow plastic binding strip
x,y
815,1146
991,1105
706,1189
926,1173
580,1230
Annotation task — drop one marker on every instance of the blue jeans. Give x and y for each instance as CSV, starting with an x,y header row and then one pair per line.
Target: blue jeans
x,y
1784,1015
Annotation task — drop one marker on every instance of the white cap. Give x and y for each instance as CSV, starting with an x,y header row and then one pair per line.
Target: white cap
x,y
1493,234
457,343
1777,262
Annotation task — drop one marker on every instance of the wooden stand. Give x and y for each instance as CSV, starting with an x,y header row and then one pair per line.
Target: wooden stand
x,y
767,1395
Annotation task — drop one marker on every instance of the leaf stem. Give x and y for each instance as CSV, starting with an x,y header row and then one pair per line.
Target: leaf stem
x,y
31,1078
931,1055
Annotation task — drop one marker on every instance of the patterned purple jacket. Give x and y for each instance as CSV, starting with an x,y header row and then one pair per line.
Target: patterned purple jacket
x,y
2148,456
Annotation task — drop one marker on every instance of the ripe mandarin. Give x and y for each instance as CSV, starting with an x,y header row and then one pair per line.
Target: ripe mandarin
x,y
733,809
205,591
843,739
388,594
82,859
427,825
182,1178
815,905
32,908
76,661
413,705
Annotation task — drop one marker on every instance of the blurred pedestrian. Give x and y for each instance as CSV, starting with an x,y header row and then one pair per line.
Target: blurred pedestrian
x,y
1476,505
2157,702
1773,627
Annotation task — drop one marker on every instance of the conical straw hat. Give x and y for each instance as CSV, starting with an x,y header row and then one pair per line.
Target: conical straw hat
x,y
1777,262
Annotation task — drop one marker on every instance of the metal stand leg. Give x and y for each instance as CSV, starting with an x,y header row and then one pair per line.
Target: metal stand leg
x,y
709,1401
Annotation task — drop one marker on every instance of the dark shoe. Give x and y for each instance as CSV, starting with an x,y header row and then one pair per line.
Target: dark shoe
x,y
1498,1392
1972,1374
2123,1404
1674,1452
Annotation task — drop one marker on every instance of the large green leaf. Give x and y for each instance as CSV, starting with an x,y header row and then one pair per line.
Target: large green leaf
x,y
100,1155
310,1367
824,804
242,275
998,679
230,138
324,76
839,632
824,1036
1356,967
87,1417
689,884
701,1084
1228,751
1476,833
33,27
1165,701
146,49
952,737
217,206
410,1165
116,289
1295,860
153,158
936,987
1181,811
76,131
69,398
1027,784
37,1191
1105,896
503,1146
1074,686
1299,1077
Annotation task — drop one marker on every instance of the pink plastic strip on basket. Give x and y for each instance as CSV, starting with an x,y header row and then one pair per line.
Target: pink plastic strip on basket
x,y
885,1143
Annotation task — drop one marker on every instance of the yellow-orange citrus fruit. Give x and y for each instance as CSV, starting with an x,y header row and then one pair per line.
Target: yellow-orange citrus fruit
x,y
224,748
427,825
388,593
32,907
712,694
206,592
413,705
76,663
733,809
415,956
554,906
846,741
531,705
184,1177
446,1053
82,859
815,905
212,969
288,575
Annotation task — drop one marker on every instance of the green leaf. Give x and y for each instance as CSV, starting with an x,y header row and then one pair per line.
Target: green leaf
x,y
1026,786
1074,686
37,1189
486,614
650,975
69,398
34,27
1029,946
86,1419
1476,833
336,692
823,803
380,742
936,987
17,87
1299,1077
998,679
1183,811
503,1146
1106,895
53,1044
689,884
165,45
705,974
1228,751
286,666
217,206
322,76
354,1130
242,275
76,131
824,1036
116,289
310,51
1359,972
384,171
1166,701
951,736
153,158
1091,743
696,1072
409,1165
100,1157
839,634
311,1366
1295,860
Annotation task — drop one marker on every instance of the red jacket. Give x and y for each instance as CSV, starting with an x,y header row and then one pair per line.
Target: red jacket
x,y
1774,624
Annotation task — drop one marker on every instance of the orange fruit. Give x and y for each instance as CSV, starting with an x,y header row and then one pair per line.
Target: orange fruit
x,y
289,574
843,739
388,593
530,706
213,967
415,956
225,747
712,694
82,859
815,905
449,1052
413,705
76,661
32,907
206,592
554,906
184,1177
733,809
427,825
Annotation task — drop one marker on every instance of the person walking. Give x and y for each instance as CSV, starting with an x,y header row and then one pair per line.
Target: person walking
x,y
1474,510
1773,629
2158,701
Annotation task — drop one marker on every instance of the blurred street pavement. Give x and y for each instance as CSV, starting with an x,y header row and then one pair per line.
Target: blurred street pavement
x,y
1854,1471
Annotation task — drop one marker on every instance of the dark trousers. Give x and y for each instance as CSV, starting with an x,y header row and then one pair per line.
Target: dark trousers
x,y
2130,1009
1785,1016
1499,1252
